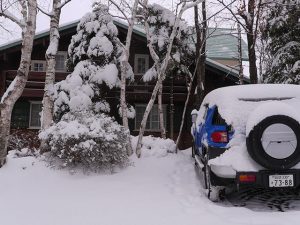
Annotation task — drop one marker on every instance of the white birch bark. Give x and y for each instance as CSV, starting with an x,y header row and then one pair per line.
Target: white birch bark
x,y
48,105
14,91
48,101
161,69
125,65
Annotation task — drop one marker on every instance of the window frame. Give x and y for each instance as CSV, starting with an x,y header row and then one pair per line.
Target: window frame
x,y
30,110
40,62
150,118
65,54
136,57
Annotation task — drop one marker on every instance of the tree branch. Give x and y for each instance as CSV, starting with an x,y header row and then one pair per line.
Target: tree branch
x,y
120,10
8,15
64,3
44,12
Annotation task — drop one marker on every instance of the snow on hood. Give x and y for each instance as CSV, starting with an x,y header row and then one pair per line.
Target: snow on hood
x,y
245,106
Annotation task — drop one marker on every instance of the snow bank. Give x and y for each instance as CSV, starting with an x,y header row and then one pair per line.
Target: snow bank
x,y
154,146
245,106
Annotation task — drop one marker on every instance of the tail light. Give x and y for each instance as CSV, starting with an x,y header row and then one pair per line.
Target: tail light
x,y
247,178
219,137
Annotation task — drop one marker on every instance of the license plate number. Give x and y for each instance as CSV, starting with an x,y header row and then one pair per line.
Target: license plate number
x,y
281,181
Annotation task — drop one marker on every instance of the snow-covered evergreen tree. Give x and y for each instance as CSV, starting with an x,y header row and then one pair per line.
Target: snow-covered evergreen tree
x,y
93,53
83,133
282,32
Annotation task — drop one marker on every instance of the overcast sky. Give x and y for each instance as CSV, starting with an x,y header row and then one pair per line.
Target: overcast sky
x,y
76,9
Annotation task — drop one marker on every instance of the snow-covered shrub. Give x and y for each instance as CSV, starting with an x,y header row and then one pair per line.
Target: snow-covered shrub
x,y
161,23
93,141
155,146
19,139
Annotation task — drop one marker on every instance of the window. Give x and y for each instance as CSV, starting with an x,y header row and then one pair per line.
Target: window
x,y
141,63
153,118
38,65
35,115
61,58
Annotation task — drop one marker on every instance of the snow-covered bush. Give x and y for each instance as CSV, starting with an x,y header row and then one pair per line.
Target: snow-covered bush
x,y
93,141
155,146
161,22
94,56
19,139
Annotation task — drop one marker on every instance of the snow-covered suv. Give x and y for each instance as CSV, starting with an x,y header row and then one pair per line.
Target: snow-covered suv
x,y
248,135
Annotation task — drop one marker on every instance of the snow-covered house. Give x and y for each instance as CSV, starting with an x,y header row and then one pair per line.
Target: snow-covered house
x,y
220,64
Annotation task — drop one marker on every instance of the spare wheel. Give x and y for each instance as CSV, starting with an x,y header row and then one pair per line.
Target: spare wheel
x,y
274,143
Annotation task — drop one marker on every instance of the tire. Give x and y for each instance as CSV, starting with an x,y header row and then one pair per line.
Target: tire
x,y
261,152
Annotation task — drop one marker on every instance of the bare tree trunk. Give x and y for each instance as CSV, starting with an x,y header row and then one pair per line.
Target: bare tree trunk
x,y
48,102
252,59
251,28
161,112
15,89
240,55
200,52
184,109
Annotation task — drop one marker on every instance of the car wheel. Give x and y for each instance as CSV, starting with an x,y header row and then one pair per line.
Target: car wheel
x,y
274,143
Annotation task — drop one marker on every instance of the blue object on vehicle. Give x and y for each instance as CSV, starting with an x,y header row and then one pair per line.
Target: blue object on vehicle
x,y
203,135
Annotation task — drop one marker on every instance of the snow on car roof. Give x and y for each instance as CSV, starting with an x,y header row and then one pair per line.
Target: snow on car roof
x,y
235,103
257,91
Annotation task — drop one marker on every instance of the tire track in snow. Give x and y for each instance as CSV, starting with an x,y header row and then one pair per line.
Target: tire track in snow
x,y
260,199
185,184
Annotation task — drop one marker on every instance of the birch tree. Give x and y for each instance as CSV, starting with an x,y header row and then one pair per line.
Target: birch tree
x,y
48,102
125,66
27,23
161,68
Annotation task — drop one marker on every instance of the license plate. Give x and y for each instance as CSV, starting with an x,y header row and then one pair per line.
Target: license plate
x,y
281,180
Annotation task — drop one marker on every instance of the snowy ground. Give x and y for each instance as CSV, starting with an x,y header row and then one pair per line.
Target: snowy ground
x,y
158,190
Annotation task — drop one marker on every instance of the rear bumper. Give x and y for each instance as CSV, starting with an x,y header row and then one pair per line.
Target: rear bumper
x,y
262,177
223,176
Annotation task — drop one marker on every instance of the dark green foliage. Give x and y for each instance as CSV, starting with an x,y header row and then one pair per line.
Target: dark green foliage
x,y
282,33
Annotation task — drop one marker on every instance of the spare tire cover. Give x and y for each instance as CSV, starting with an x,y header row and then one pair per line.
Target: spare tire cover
x,y
274,143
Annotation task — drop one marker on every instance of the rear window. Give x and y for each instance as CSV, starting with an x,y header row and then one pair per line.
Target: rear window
x,y
217,118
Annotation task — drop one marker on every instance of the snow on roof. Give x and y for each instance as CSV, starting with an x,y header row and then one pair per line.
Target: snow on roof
x,y
221,43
